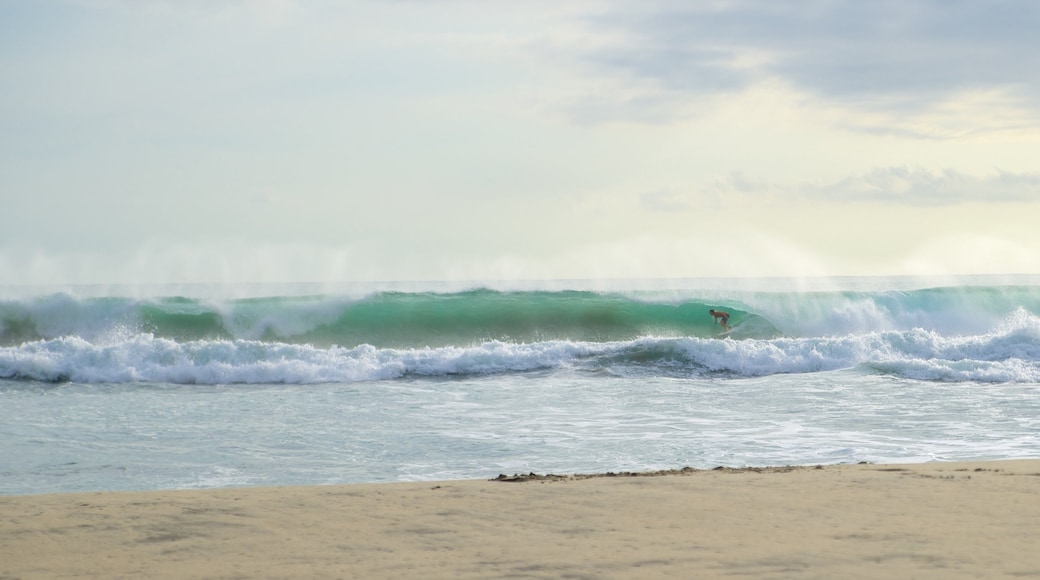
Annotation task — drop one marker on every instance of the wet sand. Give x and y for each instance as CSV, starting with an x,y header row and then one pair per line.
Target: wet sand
x,y
934,520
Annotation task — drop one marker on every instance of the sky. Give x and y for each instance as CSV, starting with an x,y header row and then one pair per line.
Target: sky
x,y
222,141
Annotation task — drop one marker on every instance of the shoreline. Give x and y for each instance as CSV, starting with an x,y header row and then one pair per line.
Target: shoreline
x,y
937,519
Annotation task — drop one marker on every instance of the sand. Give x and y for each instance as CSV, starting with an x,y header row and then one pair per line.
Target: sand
x,y
934,520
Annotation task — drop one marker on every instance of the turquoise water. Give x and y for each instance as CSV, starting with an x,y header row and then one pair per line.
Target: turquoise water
x,y
130,390
381,319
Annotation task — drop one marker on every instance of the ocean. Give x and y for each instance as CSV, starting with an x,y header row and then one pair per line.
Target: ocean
x,y
173,387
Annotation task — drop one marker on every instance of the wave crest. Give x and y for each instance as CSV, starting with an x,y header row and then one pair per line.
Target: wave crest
x,y
1012,355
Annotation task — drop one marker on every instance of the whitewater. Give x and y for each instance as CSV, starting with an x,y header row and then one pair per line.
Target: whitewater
x,y
186,387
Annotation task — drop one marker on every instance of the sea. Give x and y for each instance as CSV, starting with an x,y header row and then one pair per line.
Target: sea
x,y
206,386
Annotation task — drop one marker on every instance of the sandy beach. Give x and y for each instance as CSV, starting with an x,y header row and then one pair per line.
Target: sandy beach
x,y
935,520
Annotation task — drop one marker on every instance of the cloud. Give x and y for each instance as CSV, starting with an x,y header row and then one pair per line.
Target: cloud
x,y
663,200
891,57
917,186
907,186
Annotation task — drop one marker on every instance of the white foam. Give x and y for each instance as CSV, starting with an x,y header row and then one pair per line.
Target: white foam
x,y
1010,354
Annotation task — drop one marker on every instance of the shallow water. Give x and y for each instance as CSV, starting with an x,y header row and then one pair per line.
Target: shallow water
x,y
74,437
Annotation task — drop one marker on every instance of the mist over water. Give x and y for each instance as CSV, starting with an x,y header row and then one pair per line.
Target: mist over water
x,y
752,258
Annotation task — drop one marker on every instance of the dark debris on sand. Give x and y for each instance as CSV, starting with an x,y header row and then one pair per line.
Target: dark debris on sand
x,y
520,477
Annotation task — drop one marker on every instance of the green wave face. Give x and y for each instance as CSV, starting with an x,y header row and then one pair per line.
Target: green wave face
x,y
182,319
465,318
421,319
390,319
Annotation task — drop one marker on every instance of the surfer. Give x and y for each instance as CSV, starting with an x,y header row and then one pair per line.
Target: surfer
x,y
721,318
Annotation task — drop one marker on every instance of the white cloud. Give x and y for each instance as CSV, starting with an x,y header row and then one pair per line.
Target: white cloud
x,y
662,200
917,186
903,64
911,186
